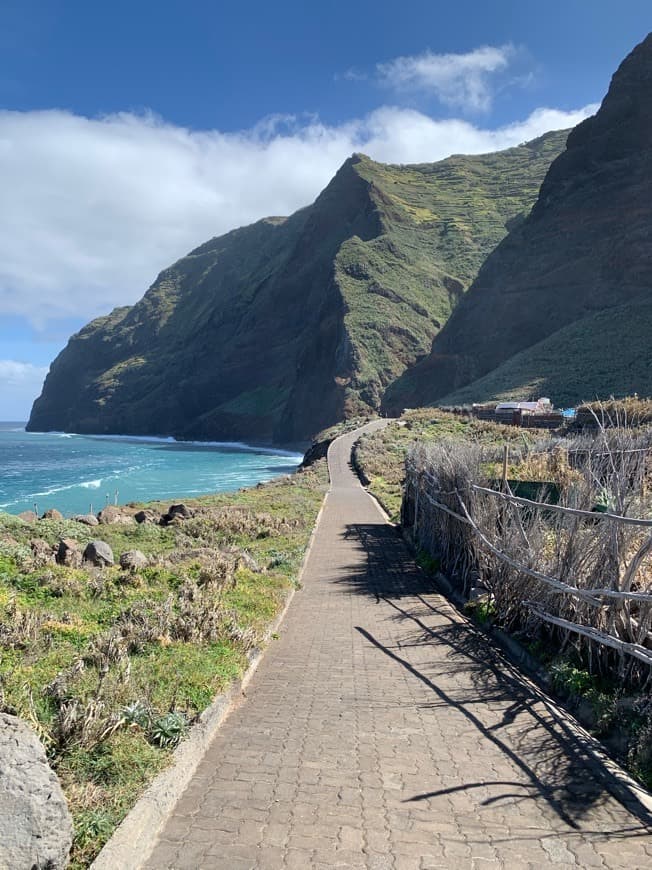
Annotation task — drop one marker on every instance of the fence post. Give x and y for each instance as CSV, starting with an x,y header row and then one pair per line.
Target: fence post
x,y
505,463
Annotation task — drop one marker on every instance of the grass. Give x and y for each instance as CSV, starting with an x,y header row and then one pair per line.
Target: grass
x,y
111,667
610,356
380,456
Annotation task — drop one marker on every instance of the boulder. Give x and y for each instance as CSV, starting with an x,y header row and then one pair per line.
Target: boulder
x,y
176,512
98,553
28,517
69,553
114,515
35,824
52,514
145,516
132,560
43,552
87,519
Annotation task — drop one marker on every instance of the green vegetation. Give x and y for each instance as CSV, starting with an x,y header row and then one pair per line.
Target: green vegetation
x,y
604,707
610,356
561,306
439,223
111,666
380,457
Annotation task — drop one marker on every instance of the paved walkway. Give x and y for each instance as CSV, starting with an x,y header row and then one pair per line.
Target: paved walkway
x,y
381,731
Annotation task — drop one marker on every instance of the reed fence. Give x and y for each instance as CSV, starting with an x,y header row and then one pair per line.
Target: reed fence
x,y
571,566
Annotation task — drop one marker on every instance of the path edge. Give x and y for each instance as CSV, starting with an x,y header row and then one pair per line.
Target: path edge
x,y
616,780
133,841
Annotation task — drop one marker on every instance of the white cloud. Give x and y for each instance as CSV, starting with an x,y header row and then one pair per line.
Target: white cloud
x,y
461,80
19,383
16,374
94,208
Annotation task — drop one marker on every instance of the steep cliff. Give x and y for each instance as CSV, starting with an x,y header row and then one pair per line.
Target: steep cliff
x,y
276,330
585,248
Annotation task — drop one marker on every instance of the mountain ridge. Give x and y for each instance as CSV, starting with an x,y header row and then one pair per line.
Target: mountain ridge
x,y
276,330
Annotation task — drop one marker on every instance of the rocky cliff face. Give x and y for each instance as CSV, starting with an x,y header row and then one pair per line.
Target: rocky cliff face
x,y
279,329
585,248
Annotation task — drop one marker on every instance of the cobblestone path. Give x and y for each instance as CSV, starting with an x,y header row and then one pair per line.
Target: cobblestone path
x,y
381,731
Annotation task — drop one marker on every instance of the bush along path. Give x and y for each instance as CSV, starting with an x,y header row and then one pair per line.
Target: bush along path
x,y
382,731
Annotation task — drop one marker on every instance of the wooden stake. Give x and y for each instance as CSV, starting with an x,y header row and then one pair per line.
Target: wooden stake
x,y
505,462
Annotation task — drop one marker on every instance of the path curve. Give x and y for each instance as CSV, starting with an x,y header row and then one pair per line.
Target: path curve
x,y
382,732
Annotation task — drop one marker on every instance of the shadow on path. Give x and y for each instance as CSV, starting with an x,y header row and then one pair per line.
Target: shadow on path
x,y
467,673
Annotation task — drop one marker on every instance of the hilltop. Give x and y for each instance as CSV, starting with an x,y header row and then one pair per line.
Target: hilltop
x,y
279,329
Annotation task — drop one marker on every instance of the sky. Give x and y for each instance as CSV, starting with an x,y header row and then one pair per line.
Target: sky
x,y
131,132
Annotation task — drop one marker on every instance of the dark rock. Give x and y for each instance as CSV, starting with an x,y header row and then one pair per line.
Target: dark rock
x,y
69,553
98,553
245,560
132,560
44,553
28,517
317,450
176,513
35,824
87,519
52,514
146,516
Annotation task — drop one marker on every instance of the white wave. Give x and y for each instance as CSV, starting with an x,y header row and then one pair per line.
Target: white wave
x,y
154,439
228,445
86,484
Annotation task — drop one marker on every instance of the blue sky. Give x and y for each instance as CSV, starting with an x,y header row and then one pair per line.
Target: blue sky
x,y
130,132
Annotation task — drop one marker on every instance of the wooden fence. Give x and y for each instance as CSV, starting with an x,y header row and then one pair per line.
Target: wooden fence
x,y
582,573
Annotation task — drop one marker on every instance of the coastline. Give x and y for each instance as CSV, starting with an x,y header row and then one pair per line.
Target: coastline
x,y
81,473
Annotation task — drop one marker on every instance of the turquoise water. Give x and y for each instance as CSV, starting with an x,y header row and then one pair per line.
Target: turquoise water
x,y
80,473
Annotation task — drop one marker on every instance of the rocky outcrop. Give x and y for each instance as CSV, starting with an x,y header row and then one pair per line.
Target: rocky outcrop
x,y
69,553
133,560
114,515
146,516
275,331
585,248
35,824
87,519
175,513
43,553
98,553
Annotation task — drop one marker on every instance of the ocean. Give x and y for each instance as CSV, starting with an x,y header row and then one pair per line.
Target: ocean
x,y
83,473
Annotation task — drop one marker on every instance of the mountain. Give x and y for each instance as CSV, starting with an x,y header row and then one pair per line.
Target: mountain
x,y
585,248
274,331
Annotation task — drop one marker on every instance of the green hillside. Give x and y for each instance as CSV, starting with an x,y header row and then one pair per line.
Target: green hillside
x,y
586,247
605,354
279,329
